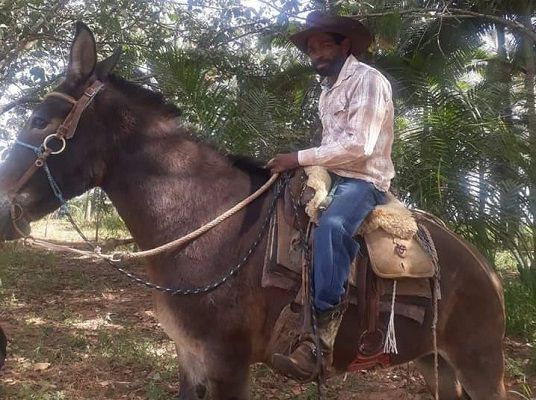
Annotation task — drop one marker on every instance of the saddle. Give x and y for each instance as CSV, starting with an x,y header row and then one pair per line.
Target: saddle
x,y
390,252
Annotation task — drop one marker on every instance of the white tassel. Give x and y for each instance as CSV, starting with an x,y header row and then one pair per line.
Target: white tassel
x,y
390,339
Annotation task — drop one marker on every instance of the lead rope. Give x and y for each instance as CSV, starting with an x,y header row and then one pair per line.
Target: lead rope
x,y
172,291
115,257
425,240
434,333
198,232
113,260
309,301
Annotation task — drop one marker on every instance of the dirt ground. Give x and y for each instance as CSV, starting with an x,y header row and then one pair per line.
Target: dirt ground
x,y
78,330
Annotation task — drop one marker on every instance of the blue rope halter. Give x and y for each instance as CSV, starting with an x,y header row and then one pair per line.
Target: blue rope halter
x,y
52,182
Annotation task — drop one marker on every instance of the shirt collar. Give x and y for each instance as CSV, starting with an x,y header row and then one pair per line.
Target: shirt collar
x,y
347,70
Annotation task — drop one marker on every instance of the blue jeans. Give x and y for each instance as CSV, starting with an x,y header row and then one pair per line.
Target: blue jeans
x,y
334,246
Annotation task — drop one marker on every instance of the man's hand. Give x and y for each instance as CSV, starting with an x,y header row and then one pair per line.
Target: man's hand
x,y
283,162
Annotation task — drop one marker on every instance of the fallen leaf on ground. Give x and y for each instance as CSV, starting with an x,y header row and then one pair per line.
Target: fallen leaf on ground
x,y
41,366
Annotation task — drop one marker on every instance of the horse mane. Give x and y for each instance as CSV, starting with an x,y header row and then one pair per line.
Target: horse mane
x,y
149,97
250,165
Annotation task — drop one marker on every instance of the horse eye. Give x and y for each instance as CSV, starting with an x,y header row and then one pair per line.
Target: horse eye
x,y
39,123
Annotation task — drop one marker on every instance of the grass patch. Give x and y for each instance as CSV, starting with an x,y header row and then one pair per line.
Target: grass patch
x,y
35,274
137,351
34,392
15,274
77,331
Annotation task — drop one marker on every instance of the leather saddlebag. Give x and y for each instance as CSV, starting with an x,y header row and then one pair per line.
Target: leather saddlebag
x,y
394,258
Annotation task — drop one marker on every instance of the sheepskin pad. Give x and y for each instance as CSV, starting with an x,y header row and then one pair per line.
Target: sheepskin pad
x,y
319,180
393,217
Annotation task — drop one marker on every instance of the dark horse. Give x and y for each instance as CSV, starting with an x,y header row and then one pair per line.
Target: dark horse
x,y
164,184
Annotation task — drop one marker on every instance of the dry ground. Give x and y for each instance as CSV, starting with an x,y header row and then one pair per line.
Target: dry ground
x,y
78,330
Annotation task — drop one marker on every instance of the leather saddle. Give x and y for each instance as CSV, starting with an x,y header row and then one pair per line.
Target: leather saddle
x,y
384,257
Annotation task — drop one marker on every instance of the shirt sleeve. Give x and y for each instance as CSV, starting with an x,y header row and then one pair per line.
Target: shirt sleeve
x,y
366,113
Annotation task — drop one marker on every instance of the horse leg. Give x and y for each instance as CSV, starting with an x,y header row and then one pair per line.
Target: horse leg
x,y
233,385
481,372
213,375
191,386
192,383
449,386
228,371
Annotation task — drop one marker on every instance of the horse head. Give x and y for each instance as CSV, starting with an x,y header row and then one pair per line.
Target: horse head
x,y
63,148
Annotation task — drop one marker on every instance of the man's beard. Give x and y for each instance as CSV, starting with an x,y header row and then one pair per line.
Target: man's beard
x,y
329,67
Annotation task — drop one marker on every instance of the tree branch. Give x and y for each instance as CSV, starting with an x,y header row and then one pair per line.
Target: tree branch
x,y
18,102
454,12
13,51
31,97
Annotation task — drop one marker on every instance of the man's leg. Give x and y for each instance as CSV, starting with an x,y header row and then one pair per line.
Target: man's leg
x,y
334,245
334,251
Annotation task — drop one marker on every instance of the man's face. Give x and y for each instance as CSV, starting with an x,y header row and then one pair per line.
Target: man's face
x,y
326,55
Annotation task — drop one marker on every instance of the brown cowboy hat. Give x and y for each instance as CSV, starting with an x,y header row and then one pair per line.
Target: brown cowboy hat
x,y
318,22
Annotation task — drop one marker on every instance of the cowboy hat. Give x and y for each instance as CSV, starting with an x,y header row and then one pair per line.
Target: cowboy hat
x,y
318,22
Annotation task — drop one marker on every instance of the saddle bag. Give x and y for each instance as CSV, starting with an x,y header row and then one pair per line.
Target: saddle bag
x,y
392,257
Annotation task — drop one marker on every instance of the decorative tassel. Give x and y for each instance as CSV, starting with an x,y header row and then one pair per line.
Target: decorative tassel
x,y
390,339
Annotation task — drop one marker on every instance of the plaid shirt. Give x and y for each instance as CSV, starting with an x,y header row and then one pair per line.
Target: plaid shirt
x,y
357,121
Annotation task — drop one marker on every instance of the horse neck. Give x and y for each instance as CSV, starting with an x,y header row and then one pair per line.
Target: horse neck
x,y
169,185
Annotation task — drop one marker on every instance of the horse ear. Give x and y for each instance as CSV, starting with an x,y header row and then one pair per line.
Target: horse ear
x,y
106,66
83,56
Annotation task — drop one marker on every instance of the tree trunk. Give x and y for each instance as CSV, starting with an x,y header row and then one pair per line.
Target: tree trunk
x,y
528,50
87,207
98,211
510,213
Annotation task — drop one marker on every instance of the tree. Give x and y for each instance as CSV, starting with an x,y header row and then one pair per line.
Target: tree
x,y
466,116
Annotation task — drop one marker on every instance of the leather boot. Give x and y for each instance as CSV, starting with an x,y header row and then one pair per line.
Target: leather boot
x,y
301,364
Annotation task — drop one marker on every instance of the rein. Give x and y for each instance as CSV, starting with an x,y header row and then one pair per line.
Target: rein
x,y
113,260
66,131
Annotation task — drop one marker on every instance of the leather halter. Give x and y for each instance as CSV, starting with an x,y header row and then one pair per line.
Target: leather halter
x,y
64,132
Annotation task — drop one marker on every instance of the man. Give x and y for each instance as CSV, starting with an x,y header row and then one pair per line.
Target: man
x,y
356,111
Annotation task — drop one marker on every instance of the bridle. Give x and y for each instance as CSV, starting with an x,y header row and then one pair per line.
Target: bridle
x,y
65,131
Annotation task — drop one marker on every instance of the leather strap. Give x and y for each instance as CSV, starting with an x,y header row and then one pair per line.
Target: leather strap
x,y
373,295
65,131
69,125
369,290
38,163
362,267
